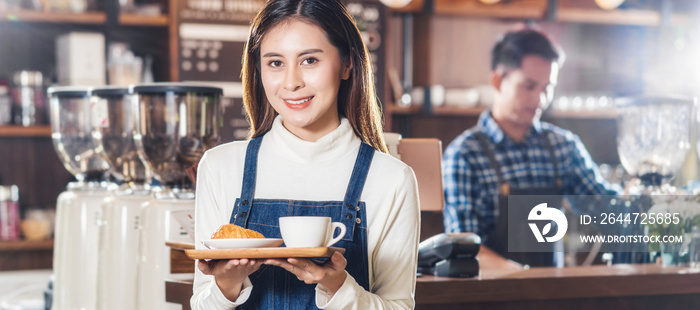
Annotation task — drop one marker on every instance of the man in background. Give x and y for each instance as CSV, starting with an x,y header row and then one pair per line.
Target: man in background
x,y
511,152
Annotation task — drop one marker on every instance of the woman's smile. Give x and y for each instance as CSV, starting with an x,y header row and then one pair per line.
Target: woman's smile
x,y
298,104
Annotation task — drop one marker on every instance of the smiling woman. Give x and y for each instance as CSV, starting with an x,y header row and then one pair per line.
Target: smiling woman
x,y
356,99
316,149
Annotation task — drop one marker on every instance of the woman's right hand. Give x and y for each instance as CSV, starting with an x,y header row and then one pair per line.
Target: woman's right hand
x,y
229,274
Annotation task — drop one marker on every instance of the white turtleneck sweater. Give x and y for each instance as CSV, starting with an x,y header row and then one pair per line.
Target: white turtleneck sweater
x,y
291,168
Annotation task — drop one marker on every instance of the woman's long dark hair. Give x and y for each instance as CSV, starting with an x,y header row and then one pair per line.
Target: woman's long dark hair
x,y
357,100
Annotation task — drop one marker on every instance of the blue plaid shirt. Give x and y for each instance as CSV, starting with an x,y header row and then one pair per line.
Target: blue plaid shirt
x,y
471,185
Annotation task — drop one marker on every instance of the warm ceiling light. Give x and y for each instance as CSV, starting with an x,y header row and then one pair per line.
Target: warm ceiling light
x,y
489,1
608,4
395,3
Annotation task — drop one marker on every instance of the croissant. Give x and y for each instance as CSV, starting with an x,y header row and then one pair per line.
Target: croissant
x,y
231,231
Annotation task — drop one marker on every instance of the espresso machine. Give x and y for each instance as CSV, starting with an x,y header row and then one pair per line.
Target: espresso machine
x,y
78,209
177,123
119,232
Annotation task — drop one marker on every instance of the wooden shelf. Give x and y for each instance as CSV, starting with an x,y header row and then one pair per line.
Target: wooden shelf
x,y
26,245
52,17
25,255
583,114
21,131
142,20
523,9
415,6
536,9
440,110
452,110
617,17
409,110
476,111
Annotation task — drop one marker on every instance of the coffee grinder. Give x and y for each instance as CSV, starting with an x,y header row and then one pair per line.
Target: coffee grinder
x,y
653,139
118,246
78,209
177,122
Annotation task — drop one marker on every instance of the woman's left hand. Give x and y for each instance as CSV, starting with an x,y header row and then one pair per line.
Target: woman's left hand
x,y
331,274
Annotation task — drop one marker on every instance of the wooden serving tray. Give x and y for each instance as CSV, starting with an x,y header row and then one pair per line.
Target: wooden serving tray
x,y
280,252
180,245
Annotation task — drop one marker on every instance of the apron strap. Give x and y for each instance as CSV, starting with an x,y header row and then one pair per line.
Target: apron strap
x,y
248,188
504,187
351,203
550,147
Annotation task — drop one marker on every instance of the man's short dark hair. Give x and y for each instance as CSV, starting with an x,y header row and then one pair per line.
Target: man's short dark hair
x,y
513,46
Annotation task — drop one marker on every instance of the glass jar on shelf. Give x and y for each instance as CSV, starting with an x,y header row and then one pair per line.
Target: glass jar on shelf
x,y
9,213
28,98
5,106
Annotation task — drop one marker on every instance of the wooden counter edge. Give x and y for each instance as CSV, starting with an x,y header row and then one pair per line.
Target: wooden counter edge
x,y
641,281
559,284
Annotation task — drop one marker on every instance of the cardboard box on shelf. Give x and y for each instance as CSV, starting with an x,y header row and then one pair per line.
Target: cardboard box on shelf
x,y
81,59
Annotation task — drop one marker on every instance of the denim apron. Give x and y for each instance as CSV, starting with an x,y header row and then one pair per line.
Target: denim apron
x,y
274,287
498,239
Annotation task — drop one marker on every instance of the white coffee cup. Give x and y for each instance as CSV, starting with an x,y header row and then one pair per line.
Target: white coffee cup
x,y
309,231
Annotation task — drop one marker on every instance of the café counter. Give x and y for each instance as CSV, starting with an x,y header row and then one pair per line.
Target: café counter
x,y
591,287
